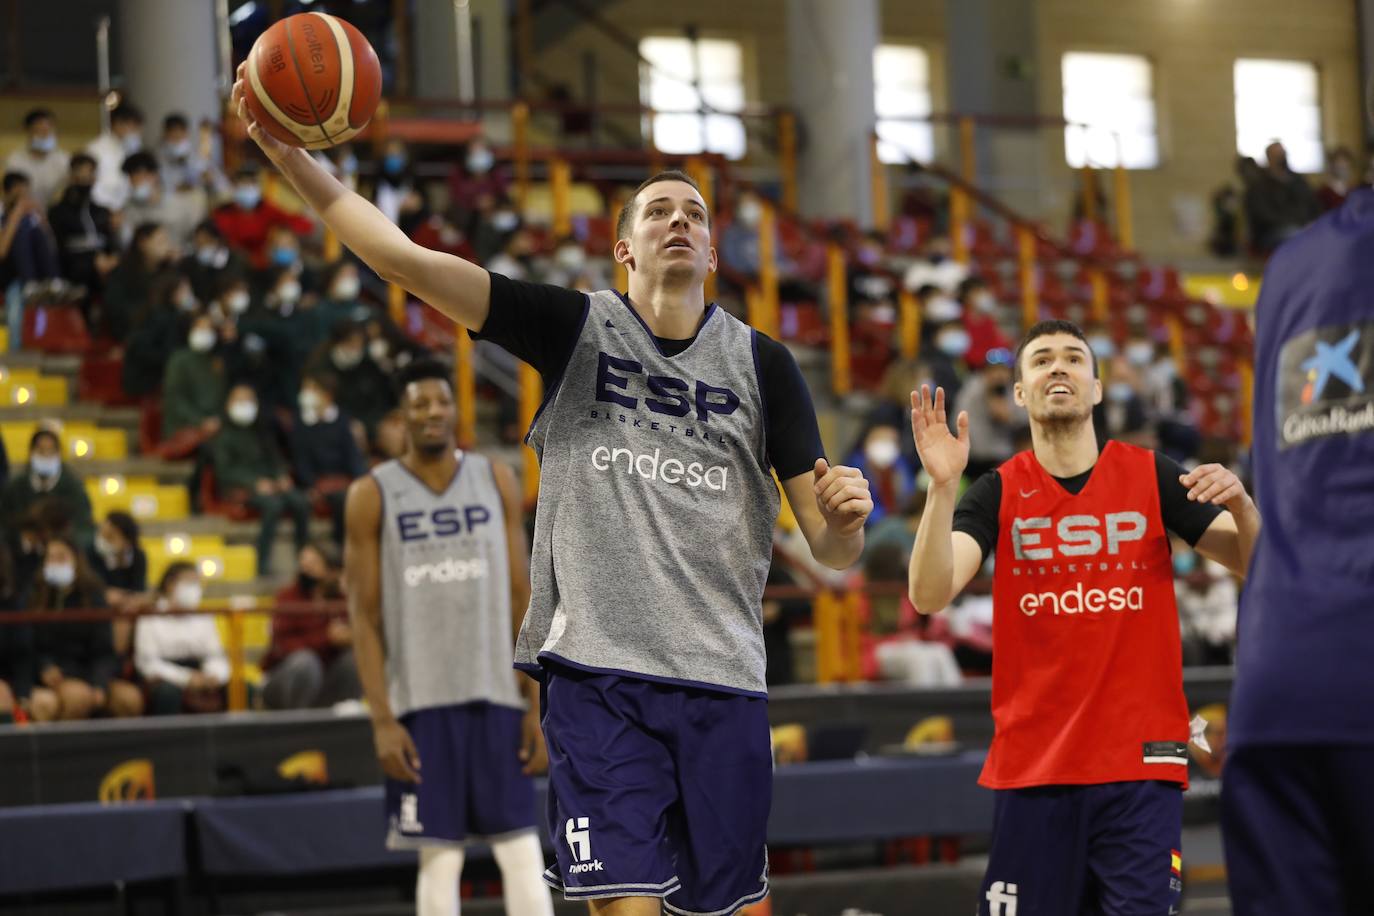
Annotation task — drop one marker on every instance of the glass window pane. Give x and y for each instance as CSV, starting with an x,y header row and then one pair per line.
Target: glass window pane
x,y
667,84
901,89
1279,100
1109,102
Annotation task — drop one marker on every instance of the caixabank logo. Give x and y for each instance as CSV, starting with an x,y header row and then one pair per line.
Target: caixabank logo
x,y
1326,384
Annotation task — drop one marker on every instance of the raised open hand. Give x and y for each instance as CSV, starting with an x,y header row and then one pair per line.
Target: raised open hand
x,y
942,455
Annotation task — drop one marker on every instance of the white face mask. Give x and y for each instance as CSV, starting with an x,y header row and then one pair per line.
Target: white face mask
x,y
59,575
346,287
186,300
953,343
571,257
243,413
201,340
45,465
882,454
237,301
1140,353
378,349
942,308
186,596
105,548
985,301
504,220
289,293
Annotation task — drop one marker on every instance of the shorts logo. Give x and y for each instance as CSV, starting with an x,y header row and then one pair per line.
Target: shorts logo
x,y
577,831
1326,384
410,814
1001,899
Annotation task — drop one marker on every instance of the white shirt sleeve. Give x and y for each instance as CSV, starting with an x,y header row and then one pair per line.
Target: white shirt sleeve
x,y
149,654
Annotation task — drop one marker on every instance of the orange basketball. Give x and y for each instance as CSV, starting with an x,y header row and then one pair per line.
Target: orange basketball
x,y
313,80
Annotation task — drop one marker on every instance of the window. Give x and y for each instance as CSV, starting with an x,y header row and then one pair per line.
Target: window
x,y
1277,100
668,82
901,91
1110,106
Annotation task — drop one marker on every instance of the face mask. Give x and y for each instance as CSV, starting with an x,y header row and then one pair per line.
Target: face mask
x,y
243,413
1140,354
247,196
283,256
953,343
943,308
43,144
310,401
345,359
45,465
289,293
105,548
186,596
212,256
201,340
59,575
141,193
749,212
178,150
237,301
882,454
346,287
571,257
186,300
480,160
1120,392
985,301
504,220
132,143
1184,563
378,349
1102,347
393,163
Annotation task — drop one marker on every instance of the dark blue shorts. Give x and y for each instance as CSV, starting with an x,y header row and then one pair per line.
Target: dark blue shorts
x,y
657,790
1298,825
1112,849
470,784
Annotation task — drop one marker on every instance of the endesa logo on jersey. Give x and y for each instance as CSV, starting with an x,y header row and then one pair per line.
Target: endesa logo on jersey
x,y
1078,544
653,466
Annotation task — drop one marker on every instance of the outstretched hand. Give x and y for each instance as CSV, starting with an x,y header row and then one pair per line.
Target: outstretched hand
x,y
943,456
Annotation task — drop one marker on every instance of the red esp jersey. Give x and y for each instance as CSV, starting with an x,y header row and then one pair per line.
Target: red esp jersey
x,y
1087,671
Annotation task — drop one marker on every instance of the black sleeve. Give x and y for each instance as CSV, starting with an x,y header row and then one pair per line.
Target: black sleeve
x,y
979,510
1182,516
535,322
794,438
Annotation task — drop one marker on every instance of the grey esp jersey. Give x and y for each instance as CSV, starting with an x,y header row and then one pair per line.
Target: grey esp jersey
x,y
445,589
653,535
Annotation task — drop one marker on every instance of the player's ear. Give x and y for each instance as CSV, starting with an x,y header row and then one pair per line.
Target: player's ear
x,y
711,260
623,254
1018,394
1097,391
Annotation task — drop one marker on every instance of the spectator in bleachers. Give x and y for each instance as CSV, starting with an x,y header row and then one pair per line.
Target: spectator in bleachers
x,y
869,282
130,286
150,201
247,220
184,169
1125,408
1207,607
395,180
76,661
387,345
1340,179
48,477
980,310
310,662
124,138
890,474
28,253
209,263
935,268
475,177
993,417
490,225
325,457
179,656
364,392
286,331
40,158
248,467
389,440
119,560
159,328
516,259
87,244
943,352
1166,396
29,538
284,252
193,389
342,287
1278,203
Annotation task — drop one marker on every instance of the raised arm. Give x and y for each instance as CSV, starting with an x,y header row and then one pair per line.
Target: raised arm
x,y
362,571
459,289
943,560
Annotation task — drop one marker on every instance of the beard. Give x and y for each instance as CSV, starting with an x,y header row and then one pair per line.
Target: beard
x,y
1060,421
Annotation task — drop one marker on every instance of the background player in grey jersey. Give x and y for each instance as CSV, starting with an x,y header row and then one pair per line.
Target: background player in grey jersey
x,y
438,576
681,825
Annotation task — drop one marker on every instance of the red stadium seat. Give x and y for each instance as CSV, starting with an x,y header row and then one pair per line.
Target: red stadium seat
x,y
55,329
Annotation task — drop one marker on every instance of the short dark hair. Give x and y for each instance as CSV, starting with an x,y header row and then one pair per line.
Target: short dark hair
x,y
80,159
139,162
13,179
968,286
45,433
38,114
175,119
421,370
126,112
1045,329
173,570
627,212
325,379
124,523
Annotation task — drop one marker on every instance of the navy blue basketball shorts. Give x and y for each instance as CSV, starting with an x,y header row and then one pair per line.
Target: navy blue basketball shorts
x,y
1112,849
471,786
657,790
1298,827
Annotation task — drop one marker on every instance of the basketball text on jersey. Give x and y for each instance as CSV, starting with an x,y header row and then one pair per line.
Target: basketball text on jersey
x,y
1085,538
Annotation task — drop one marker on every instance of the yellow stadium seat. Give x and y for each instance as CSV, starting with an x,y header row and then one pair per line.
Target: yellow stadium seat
x,y
4,340
142,497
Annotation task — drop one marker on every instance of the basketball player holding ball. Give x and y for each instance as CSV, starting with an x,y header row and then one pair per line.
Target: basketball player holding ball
x,y
663,422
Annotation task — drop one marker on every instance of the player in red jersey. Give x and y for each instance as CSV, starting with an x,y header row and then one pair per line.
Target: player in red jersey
x,y
1089,758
